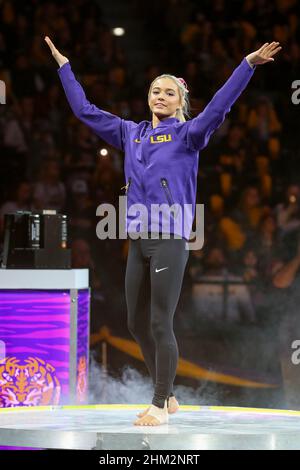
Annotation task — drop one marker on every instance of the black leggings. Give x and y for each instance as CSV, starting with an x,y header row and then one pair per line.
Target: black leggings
x,y
153,280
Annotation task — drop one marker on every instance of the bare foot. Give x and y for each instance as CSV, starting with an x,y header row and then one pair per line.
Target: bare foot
x,y
172,408
155,417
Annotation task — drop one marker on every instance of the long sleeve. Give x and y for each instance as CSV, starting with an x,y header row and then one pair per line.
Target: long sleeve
x,y
200,128
111,128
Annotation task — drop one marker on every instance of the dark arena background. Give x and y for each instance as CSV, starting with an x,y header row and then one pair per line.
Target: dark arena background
x,y
63,327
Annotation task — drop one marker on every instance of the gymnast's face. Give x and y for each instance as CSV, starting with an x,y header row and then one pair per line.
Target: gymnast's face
x,y
164,99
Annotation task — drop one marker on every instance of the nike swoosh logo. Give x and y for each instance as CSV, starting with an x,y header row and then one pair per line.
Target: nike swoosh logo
x,y
157,270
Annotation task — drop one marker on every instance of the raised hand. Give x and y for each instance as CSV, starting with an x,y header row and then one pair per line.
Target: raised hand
x,y
60,59
264,54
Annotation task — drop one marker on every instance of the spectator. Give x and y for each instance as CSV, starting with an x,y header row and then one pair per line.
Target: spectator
x,y
49,191
83,149
253,274
217,301
263,121
23,77
82,211
195,265
82,258
266,243
106,181
288,212
22,201
249,210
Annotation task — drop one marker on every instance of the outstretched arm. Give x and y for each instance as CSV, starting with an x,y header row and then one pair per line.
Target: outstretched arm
x,y
111,128
202,126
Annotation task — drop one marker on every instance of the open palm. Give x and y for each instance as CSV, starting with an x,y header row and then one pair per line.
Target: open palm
x,y
264,54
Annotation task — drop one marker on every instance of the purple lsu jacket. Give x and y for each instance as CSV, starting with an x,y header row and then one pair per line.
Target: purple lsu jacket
x,y
161,163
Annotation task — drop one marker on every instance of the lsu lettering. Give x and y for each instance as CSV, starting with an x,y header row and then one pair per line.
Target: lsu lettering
x,y
158,139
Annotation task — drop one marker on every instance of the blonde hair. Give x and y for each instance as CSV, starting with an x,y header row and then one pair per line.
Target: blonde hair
x,y
183,93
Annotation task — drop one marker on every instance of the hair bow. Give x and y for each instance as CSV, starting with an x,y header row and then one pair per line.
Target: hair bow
x,y
183,82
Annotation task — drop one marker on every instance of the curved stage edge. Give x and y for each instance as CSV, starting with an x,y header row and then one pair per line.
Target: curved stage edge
x,y
110,427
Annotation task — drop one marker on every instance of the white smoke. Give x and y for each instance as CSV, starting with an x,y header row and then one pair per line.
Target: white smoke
x,y
133,387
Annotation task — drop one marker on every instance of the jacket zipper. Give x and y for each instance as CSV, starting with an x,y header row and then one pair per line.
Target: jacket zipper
x,y
127,185
166,188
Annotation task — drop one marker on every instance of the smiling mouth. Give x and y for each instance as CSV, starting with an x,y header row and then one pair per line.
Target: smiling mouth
x,y
159,104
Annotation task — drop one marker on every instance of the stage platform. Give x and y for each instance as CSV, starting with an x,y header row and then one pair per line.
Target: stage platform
x,y
109,427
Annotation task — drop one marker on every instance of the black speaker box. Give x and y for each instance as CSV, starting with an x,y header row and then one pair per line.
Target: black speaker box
x,y
35,240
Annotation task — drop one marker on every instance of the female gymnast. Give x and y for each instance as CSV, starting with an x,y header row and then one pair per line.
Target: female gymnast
x,y
161,165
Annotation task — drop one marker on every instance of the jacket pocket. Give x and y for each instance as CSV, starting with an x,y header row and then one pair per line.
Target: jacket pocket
x,y
126,187
165,185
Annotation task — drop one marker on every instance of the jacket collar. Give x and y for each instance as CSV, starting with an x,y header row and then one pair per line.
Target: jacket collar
x,y
166,122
